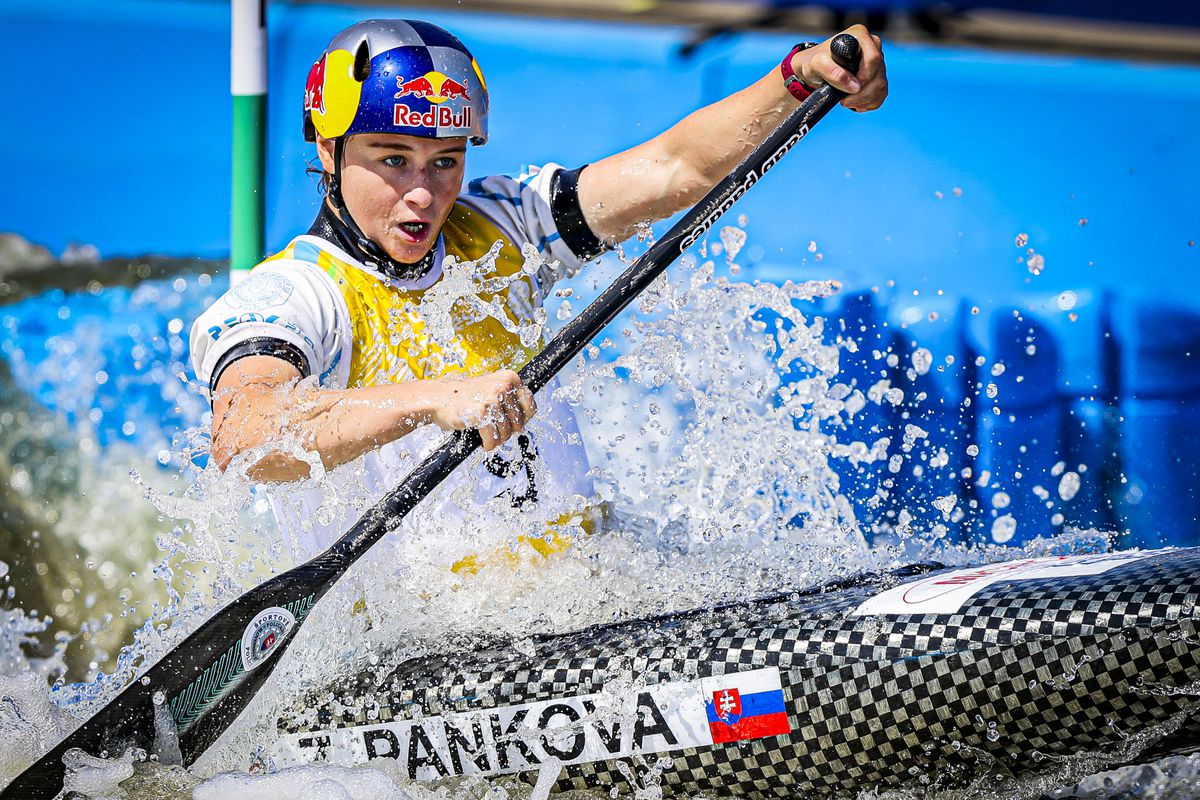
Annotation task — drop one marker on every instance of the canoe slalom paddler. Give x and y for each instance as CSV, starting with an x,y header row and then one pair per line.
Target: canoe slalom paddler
x,y
407,306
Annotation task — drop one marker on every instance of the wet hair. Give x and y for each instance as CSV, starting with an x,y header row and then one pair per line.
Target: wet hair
x,y
314,168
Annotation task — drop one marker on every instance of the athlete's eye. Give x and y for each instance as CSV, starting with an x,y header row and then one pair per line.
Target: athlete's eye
x,y
446,162
394,161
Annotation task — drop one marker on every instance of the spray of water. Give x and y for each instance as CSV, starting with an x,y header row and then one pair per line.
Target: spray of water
x,y
720,478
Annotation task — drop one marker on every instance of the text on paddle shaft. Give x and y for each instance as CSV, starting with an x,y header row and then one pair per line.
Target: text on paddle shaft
x,y
751,178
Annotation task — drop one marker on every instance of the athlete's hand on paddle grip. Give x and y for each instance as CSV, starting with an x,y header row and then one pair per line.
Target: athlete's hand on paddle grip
x,y
865,91
497,404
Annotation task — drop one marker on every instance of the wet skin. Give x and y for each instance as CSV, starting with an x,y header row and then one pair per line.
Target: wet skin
x,y
399,188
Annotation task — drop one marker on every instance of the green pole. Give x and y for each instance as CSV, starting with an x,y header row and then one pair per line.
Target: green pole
x,y
248,84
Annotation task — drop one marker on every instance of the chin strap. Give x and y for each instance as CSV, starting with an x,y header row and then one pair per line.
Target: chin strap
x,y
368,251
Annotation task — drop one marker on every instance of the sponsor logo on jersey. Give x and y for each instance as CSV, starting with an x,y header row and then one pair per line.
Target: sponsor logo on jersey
x,y
264,633
216,331
259,290
570,730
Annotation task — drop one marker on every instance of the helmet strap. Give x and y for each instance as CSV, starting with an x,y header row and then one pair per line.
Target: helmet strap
x,y
368,250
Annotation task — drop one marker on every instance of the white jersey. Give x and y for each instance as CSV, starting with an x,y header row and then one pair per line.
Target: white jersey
x,y
476,311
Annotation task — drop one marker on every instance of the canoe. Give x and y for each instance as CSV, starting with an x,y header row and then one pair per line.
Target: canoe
x,y
922,678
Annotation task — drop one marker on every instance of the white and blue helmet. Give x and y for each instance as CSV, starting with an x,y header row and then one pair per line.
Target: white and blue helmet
x,y
396,76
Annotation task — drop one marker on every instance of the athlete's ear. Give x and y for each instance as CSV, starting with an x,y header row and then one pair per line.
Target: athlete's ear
x,y
325,153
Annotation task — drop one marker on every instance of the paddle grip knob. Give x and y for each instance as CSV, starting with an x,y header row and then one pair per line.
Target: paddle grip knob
x,y
846,52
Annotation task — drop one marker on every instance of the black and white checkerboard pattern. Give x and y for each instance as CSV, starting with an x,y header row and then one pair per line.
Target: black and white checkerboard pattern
x,y
1027,673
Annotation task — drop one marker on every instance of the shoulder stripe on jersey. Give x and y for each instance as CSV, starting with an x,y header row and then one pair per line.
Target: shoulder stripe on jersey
x,y
475,189
548,240
306,251
527,175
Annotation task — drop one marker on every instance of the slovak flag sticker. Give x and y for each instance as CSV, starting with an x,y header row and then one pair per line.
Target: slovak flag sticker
x,y
746,705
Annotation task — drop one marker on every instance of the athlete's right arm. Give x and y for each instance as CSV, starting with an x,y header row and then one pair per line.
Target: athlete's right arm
x,y
261,406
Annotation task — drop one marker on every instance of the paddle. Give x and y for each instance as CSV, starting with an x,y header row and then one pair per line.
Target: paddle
x,y
209,678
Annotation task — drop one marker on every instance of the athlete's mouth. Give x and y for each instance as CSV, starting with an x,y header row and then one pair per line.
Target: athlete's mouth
x,y
417,231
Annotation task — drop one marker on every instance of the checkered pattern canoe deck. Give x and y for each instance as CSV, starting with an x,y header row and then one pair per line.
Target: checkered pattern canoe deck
x,y
1062,676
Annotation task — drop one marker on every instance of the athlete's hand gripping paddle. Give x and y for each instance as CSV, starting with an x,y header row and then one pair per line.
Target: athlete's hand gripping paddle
x,y
207,680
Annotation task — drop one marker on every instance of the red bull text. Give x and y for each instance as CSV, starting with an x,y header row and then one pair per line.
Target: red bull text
x,y
436,117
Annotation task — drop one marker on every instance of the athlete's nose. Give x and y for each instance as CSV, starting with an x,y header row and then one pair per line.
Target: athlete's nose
x,y
419,196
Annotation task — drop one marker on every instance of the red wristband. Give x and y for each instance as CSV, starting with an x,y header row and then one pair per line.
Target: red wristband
x,y
792,82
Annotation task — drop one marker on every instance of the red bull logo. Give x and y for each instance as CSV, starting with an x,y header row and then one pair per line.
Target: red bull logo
x,y
452,89
314,89
436,117
432,86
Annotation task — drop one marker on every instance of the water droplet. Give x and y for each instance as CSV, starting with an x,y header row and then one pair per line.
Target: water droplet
x,y
733,239
922,360
1068,485
946,505
1003,529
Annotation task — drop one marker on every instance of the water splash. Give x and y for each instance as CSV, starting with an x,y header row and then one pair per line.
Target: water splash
x,y
723,473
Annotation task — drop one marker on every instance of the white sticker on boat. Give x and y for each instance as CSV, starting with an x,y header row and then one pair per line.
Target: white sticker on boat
x,y
268,628
607,725
947,592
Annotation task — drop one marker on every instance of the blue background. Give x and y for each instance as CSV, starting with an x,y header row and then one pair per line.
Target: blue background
x,y
123,139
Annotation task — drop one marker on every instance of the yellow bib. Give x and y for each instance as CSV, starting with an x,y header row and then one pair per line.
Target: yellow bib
x,y
393,343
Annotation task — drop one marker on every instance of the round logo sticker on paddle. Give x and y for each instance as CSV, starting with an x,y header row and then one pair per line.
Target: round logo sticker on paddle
x,y
268,628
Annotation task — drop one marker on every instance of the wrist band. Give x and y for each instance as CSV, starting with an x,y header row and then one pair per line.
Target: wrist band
x,y
797,87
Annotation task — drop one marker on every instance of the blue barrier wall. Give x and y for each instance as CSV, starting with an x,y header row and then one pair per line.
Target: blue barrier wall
x,y
118,114
124,136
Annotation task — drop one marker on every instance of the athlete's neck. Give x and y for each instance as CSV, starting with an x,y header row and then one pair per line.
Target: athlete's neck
x,y
330,227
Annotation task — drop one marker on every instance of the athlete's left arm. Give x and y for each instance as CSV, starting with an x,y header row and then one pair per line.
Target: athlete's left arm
x,y
675,169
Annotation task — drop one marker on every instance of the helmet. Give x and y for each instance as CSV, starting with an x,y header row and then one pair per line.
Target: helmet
x,y
396,76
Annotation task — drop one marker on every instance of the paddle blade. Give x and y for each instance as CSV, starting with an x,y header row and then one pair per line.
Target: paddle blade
x,y
203,684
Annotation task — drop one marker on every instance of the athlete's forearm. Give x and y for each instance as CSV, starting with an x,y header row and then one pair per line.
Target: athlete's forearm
x,y
675,169
260,405
708,143
337,425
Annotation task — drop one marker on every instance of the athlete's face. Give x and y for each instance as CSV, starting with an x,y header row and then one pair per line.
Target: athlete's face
x,y
399,188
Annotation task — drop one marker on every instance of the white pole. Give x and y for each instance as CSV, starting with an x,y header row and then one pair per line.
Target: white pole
x,y
248,84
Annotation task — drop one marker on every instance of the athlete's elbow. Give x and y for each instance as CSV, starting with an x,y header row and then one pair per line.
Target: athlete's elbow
x,y
222,451
278,468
